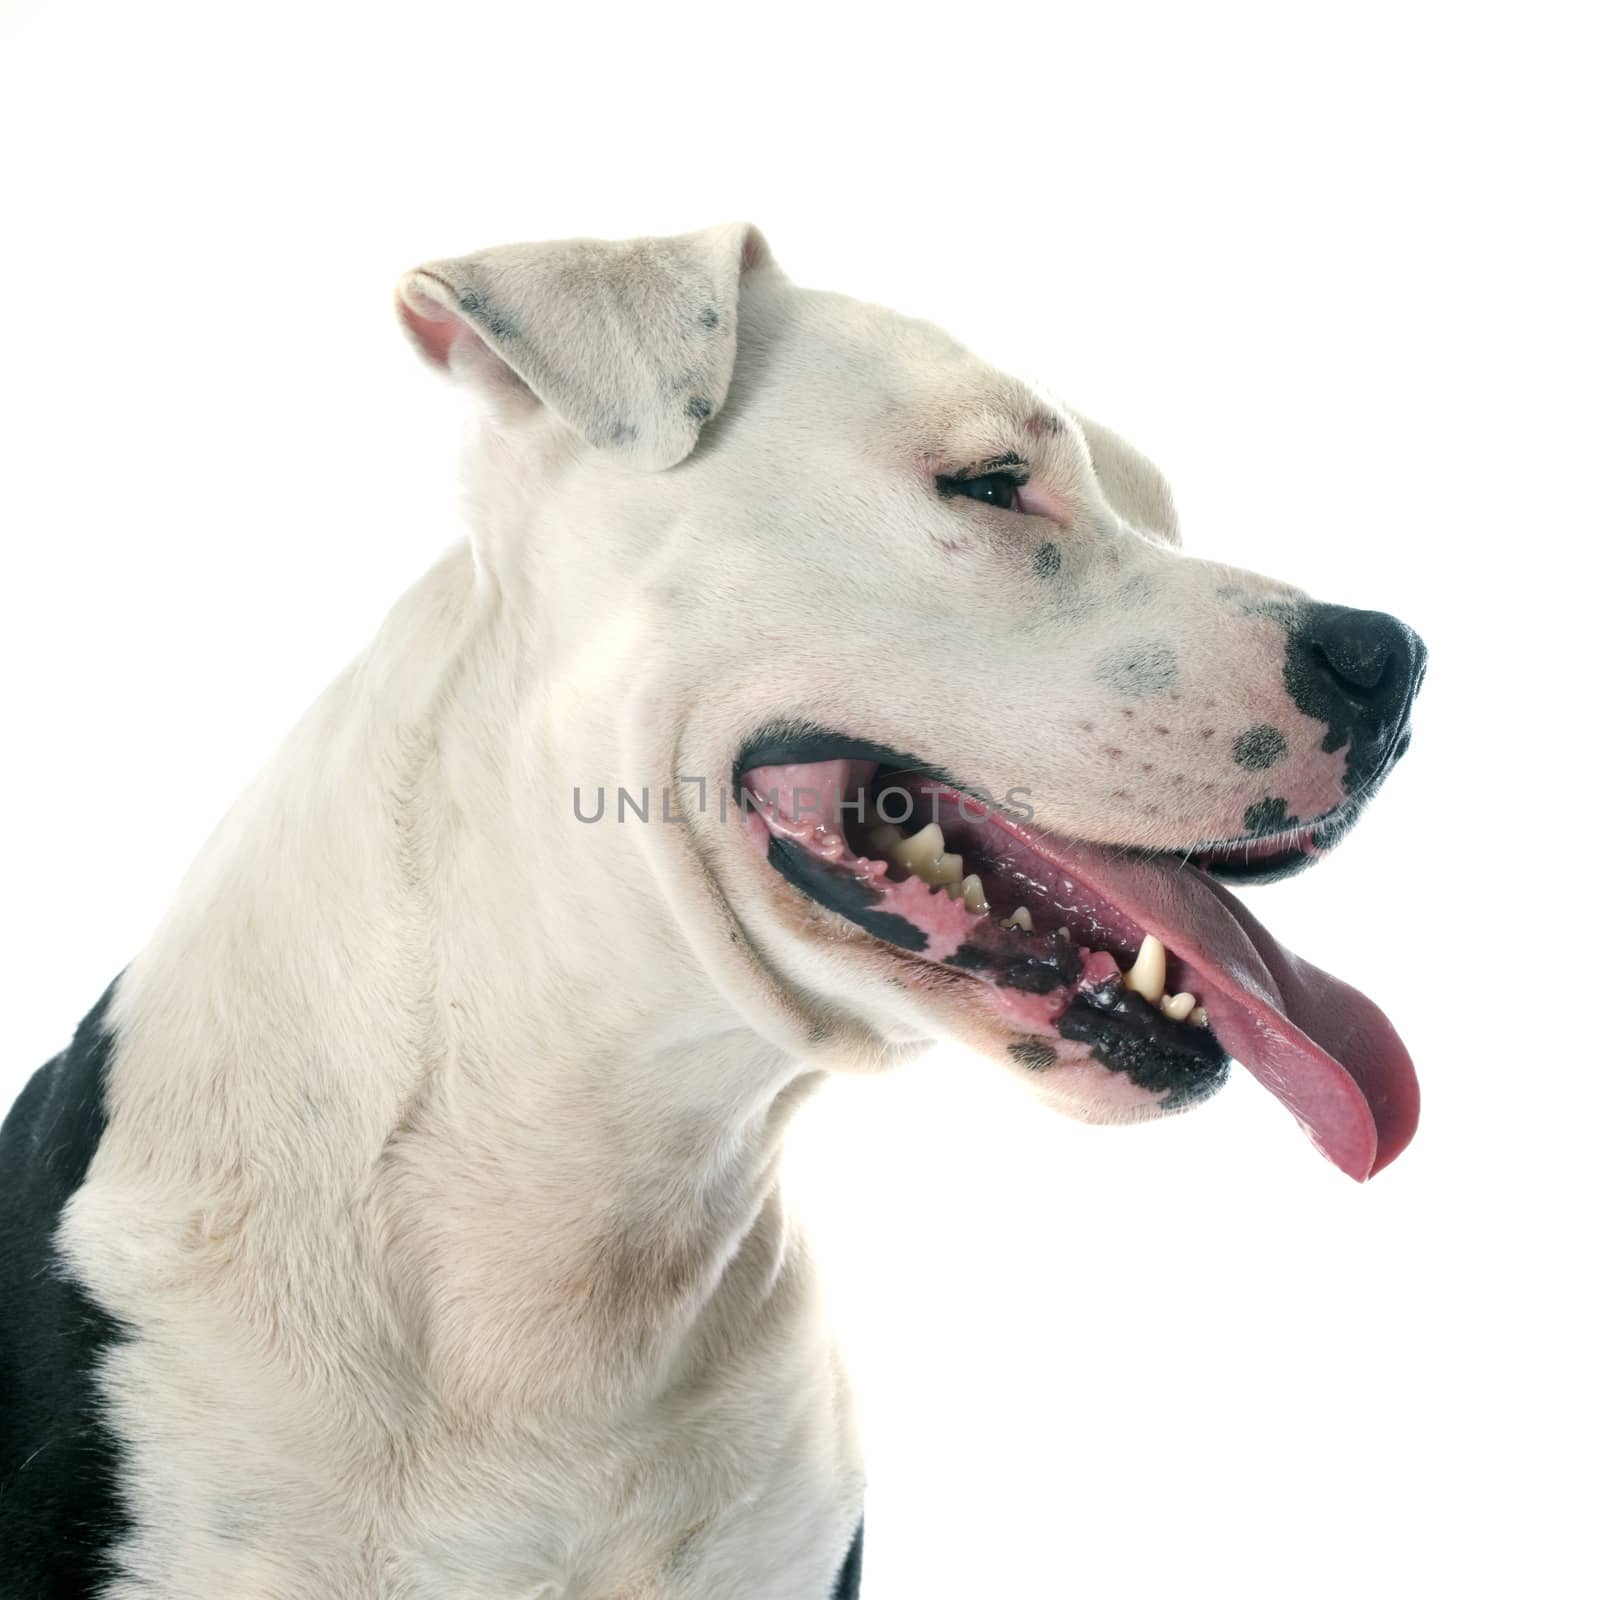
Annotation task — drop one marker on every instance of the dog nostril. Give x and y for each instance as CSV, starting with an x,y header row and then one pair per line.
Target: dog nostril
x,y
1359,662
1356,671
1365,653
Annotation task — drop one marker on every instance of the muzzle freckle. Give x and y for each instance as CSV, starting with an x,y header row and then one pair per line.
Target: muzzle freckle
x,y
1259,748
1268,816
1034,1054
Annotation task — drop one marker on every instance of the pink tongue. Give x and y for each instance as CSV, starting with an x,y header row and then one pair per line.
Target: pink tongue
x,y
1321,1047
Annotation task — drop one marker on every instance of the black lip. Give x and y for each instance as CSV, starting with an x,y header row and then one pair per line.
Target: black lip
x,y
1182,1065
839,889
1270,869
1124,1032
1325,834
794,742
782,744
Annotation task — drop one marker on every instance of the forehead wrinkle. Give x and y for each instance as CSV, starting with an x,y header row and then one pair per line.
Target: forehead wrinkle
x,y
973,419
980,434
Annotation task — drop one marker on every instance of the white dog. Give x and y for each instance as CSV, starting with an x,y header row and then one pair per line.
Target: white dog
x,y
403,1222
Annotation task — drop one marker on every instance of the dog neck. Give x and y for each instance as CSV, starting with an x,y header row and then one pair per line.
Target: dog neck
x,y
403,993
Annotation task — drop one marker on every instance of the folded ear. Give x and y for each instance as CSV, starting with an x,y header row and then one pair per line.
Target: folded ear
x,y
631,342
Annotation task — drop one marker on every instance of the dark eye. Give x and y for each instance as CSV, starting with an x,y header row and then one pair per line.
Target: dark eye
x,y
993,488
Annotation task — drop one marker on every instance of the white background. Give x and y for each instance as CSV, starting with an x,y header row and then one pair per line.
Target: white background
x,y
1328,267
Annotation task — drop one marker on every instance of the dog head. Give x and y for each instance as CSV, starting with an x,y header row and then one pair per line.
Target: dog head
x,y
962,742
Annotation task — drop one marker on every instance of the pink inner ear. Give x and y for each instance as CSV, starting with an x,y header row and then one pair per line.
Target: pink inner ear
x,y
436,334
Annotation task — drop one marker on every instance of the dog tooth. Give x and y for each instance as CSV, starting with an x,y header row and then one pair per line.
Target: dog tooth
x,y
1199,1018
972,893
885,837
1022,918
1177,1006
945,870
921,850
1147,976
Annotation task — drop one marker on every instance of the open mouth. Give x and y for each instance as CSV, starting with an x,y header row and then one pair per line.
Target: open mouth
x,y
1144,960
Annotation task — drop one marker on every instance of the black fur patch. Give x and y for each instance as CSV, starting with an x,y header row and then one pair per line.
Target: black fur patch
x,y
709,317
698,408
60,1510
847,1586
1047,560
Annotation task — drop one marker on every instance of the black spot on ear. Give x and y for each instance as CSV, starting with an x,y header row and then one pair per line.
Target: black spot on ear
x,y
698,408
1146,668
709,317
1047,560
494,321
1034,1054
1259,748
1268,816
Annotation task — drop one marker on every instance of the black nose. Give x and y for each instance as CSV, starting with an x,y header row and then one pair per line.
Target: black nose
x,y
1357,671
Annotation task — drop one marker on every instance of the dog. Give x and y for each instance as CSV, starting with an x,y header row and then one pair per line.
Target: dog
x,y
403,1221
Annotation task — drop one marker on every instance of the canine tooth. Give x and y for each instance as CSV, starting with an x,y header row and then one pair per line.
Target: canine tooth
x,y
1199,1018
945,870
921,850
1147,976
972,893
885,837
1177,1006
1022,918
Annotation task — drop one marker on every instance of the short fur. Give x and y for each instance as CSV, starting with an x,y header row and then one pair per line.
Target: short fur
x,y
405,1223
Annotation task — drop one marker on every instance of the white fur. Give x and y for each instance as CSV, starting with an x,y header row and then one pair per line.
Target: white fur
x,y
439,1192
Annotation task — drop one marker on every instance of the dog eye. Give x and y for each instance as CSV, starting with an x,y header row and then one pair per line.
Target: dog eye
x,y
993,488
